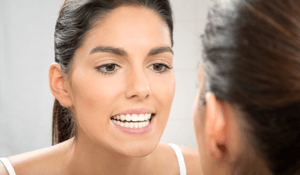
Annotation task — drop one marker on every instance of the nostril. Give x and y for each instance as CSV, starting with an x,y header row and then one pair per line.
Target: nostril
x,y
138,89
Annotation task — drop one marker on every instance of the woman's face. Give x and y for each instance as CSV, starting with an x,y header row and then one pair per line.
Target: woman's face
x,y
122,83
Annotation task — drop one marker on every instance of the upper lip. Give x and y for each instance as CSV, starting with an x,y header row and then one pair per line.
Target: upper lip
x,y
137,111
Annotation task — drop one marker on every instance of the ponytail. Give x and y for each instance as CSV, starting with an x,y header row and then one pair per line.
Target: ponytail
x,y
64,125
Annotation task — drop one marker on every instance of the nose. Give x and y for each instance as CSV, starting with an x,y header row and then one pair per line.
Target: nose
x,y
138,86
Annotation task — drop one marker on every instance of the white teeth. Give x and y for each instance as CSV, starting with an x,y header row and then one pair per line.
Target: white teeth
x,y
132,120
140,124
148,116
131,125
122,117
134,117
136,125
128,117
142,117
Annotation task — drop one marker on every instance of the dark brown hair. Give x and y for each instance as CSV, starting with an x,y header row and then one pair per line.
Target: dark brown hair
x,y
251,59
75,19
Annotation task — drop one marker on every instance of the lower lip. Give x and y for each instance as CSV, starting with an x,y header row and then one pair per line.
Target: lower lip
x,y
136,131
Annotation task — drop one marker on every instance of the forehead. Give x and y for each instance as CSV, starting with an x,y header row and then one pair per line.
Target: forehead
x,y
130,24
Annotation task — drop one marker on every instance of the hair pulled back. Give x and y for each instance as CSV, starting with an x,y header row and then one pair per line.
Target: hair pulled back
x,y
251,59
75,19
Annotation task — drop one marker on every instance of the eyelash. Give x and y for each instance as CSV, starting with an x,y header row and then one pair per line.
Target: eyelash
x,y
166,68
99,68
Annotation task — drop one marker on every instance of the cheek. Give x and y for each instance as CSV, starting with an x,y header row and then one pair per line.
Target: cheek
x,y
93,98
163,90
198,116
89,94
197,123
93,88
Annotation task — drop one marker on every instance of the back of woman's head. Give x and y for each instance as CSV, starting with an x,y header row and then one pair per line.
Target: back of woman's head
x,y
76,19
251,59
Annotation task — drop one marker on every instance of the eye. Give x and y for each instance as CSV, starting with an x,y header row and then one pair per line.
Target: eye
x,y
159,68
108,68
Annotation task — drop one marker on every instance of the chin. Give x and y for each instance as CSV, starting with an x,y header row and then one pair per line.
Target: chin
x,y
139,149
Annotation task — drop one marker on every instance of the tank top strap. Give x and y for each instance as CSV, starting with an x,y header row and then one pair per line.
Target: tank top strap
x,y
180,159
8,166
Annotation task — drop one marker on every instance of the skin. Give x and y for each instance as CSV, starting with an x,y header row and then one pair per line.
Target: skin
x,y
96,97
222,144
96,92
217,132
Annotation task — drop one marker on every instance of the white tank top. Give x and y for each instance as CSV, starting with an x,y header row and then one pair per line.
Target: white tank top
x,y
8,166
176,149
180,158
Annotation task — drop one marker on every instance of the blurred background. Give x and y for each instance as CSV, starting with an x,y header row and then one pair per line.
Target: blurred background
x,y
27,50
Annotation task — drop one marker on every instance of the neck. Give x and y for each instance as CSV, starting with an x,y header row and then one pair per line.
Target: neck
x,y
92,158
248,160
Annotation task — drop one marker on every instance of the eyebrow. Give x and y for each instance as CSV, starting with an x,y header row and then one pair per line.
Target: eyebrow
x,y
122,52
108,49
159,50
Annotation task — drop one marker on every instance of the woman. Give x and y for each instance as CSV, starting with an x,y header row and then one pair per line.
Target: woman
x,y
114,85
247,113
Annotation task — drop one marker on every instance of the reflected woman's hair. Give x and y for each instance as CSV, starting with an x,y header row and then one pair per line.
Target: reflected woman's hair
x,y
251,59
76,19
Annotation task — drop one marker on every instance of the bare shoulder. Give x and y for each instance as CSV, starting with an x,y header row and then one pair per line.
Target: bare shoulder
x,y
167,157
164,159
40,161
192,161
3,170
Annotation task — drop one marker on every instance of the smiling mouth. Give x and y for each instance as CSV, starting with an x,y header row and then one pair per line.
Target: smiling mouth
x,y
133,120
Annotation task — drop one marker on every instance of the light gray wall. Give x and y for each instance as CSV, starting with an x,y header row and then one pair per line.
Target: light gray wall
x,y
26,52
189,20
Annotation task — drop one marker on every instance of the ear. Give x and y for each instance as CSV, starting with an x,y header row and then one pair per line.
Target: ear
x,y
215,127
59,86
